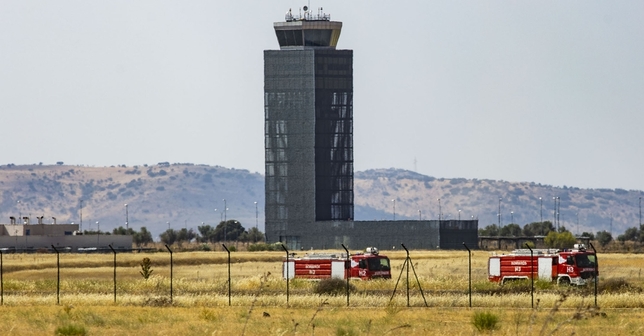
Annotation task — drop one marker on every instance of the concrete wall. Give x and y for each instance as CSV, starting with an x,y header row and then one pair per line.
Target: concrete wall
x,y
428,234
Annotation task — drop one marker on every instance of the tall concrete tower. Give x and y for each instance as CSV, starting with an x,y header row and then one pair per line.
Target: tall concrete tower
x,y
308,112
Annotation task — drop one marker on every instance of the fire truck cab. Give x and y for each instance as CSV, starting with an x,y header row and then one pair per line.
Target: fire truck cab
x,y
575,266
363,265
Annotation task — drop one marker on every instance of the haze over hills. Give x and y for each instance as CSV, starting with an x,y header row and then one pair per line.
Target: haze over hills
x,y
186,195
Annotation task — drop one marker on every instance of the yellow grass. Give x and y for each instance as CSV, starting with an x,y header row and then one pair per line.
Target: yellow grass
x,y
200,297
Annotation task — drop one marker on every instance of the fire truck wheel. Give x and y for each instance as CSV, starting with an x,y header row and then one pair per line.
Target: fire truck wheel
x,y
564,281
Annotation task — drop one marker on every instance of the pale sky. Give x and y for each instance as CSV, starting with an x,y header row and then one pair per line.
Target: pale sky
x,y
524,91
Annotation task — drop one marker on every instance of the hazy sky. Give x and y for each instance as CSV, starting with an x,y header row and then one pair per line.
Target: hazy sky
x,y
539,91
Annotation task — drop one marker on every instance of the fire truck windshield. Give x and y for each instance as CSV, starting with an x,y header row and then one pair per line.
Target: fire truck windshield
x,y
586,260
378,264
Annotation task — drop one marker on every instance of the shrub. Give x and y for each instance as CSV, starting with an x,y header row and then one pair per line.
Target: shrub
x,y
71,330
333,286
485,321
146,268
161,301
348,331
264,247
613,285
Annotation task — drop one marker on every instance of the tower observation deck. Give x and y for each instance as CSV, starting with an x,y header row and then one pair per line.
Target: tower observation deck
x,y
307,30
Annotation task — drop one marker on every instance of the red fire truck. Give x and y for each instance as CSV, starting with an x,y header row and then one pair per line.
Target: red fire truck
x,y
575,266
364,265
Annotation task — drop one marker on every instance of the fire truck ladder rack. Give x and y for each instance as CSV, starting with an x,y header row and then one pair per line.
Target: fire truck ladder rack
x,y
406,265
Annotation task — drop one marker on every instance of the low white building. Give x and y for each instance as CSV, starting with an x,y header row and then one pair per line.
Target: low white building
x,y
26,237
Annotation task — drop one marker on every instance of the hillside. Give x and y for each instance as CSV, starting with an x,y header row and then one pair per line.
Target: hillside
x,y
185,195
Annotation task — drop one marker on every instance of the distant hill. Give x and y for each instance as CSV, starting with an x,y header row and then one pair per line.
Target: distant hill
x,y
185,195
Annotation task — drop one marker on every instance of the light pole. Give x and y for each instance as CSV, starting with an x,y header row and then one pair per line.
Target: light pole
x,y
512,217
225,208
500,212
394,200
126,219
541,211
554,212
420,215
256,217
558,212
459,215
98,235
81,216
640,212
169,225
439,209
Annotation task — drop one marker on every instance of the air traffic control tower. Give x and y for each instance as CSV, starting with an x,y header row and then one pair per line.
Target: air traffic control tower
x,y
308,110
308,115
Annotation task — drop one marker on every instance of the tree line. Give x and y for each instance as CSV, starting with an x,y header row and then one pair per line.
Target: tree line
x,y
557,238
230,230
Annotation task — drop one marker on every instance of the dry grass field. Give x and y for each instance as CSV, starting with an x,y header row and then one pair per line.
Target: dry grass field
x,y
200,303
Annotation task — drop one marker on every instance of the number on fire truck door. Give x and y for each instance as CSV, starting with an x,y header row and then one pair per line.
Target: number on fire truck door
x,y
570,269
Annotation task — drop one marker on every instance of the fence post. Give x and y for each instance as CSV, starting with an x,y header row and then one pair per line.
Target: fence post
x,y
287,275
347,268
58,276
469,253
596,274
169,250
110,245
531,272
229,284
1,281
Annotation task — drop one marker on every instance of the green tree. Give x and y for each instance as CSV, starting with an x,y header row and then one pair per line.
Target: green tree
x,y
560,240
255,236
143,237
185,235
207,234
491,230
169,236
588,234
229,230
538,229
603,238
510,230
122,231
631,234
